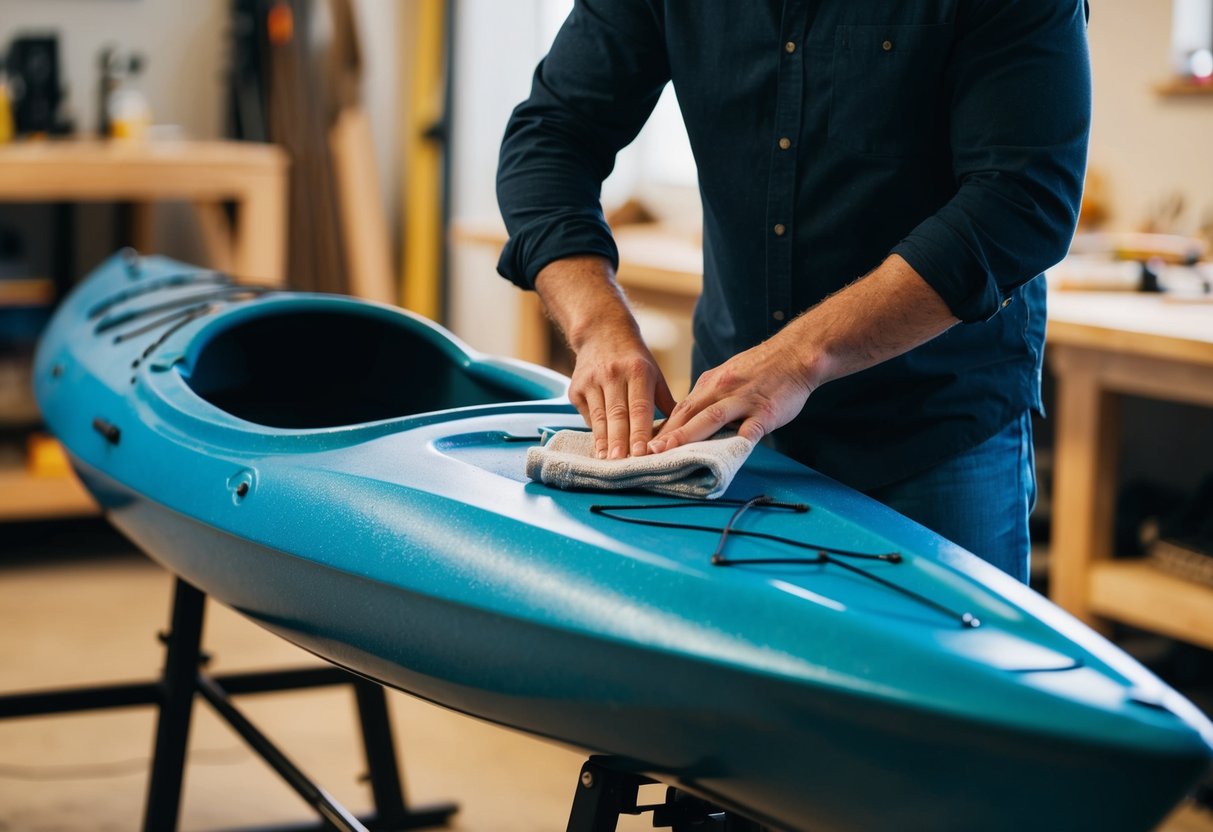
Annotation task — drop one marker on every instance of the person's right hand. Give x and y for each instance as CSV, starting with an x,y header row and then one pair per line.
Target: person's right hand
x,y
616,384
616,381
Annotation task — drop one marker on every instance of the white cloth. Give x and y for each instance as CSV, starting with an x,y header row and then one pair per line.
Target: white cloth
x,y
698,470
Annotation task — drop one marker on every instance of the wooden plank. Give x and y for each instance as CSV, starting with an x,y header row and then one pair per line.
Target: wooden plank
x,y
74,170
422,234
364,227
1137,594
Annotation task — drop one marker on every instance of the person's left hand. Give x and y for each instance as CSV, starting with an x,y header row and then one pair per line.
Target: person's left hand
x,y
761,389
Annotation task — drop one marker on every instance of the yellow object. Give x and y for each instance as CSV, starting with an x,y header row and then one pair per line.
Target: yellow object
x,y
6,114
45,457
130,115
423,232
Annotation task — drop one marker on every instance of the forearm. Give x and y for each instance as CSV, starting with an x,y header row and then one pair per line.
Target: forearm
x,y
886,313
582,298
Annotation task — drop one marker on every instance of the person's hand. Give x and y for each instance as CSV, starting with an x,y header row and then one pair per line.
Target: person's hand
x,y
760,390
616,384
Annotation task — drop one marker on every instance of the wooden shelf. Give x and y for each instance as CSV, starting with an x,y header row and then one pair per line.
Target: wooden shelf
x,y
1136,593
1179,87
24,496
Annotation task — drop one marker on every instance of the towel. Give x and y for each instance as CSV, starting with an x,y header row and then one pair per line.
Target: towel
x,y
697,470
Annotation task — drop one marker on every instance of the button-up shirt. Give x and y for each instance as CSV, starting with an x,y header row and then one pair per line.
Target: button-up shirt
x,y
829,134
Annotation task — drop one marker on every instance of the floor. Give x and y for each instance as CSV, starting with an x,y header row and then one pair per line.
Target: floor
x,y
77,606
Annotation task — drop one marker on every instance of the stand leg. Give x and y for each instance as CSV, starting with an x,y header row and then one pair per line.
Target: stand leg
x,y
382,769
391,810
173,694
184,647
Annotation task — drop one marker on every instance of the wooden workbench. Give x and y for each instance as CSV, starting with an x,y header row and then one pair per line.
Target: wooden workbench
x,y
207,174
204,173
1102,346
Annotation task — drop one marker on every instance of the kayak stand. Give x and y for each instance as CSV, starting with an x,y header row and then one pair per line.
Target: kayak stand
x,y
173,693
606,790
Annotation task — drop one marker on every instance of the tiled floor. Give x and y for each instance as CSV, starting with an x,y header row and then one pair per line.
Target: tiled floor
x,y
77,607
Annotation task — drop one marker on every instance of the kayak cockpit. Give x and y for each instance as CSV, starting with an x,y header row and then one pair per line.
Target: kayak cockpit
x,y
327,364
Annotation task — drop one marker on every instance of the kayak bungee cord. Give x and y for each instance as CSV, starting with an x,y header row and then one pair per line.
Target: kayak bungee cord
x,y
797,508
187,312
229,292
170,282
824,554
198,312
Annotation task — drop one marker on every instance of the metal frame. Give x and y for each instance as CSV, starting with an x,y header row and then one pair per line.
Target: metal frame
x,y
173,693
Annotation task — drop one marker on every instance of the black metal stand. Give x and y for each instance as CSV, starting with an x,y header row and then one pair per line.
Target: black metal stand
x,y
606,791
174,692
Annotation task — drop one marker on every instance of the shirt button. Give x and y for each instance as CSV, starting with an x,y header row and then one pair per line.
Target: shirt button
x,y
887,46
780,228
789,47
1006,303
777,314
785,143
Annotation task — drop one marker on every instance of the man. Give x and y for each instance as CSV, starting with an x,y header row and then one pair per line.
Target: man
x,y
882,182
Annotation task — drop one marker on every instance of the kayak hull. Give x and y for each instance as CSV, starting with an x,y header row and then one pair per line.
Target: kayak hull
x,y
841,695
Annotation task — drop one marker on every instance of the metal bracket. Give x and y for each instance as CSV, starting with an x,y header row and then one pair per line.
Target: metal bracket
x,y
606,790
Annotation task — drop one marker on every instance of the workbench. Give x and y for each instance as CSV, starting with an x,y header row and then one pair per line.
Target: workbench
x,y
207,174
1103,346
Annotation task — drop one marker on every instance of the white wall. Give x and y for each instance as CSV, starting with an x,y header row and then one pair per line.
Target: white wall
x,y
497,46
185,43
181,39
1145,145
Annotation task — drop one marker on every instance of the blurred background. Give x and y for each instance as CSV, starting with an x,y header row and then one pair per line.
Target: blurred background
x,y
351,146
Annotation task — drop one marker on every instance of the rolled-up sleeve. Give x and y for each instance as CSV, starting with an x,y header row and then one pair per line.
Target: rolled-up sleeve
x,y
589,98
1021,112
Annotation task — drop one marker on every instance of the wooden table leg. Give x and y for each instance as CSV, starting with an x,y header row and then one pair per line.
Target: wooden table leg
x,y
216,235
1084,477
260,245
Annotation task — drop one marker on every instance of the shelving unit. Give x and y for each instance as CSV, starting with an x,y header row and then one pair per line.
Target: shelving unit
x,y
1179,87
207,174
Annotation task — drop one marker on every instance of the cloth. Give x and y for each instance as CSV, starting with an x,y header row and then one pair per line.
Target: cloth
x,y
979,499
697,470
952,132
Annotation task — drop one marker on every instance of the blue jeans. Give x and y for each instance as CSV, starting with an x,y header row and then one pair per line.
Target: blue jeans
x,y
980,499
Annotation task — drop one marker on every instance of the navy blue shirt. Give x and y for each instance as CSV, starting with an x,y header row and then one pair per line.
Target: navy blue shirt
x,y
829,134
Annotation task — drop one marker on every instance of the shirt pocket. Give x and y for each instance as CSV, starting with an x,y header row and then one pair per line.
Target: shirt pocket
x,y
888,95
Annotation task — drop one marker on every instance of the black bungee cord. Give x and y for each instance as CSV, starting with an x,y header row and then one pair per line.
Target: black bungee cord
x,y
225,293
169,282
824,554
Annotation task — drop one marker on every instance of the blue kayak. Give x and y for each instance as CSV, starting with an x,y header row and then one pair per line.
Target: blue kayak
x,y
352,477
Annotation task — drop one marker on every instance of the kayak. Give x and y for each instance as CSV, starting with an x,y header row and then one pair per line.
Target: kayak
x,y
353,478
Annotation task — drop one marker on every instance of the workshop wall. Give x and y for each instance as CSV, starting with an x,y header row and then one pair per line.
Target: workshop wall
x,y
185,46
1146,145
